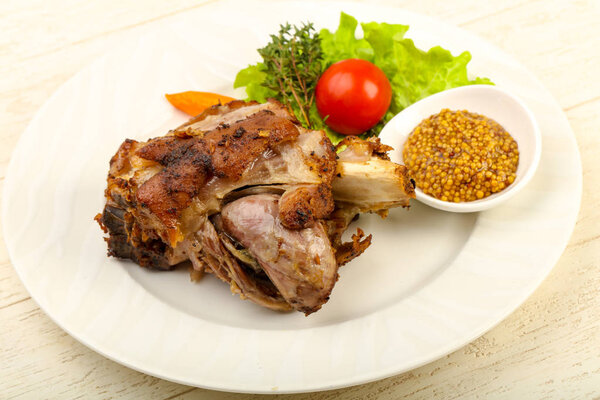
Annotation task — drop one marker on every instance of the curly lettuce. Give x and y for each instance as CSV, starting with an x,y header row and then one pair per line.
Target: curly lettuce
x,y
413,73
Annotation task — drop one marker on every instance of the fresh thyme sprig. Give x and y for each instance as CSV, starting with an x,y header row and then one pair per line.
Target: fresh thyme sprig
x,y
293,65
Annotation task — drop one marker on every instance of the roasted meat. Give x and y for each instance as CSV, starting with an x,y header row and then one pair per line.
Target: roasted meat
x,y
244,192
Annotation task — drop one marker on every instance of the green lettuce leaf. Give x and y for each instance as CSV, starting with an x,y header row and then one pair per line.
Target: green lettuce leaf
x,y
431,72
343,44
413,73
252,78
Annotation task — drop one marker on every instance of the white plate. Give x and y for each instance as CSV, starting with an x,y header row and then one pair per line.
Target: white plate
x,y
431,282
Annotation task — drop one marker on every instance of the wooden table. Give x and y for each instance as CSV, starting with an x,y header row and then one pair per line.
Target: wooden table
x,y
548,348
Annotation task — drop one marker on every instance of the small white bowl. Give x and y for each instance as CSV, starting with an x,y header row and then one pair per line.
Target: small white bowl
x,y
490,101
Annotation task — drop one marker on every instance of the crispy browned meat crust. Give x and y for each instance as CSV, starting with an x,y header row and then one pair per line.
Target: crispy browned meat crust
x,y
125,238
299,208
225,153
166,173
229,113
124,243
348,251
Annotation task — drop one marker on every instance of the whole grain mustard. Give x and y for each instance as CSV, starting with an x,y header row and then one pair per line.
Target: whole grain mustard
x,y
460,156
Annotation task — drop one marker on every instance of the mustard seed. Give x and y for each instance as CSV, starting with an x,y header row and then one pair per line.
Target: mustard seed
x,y
455,150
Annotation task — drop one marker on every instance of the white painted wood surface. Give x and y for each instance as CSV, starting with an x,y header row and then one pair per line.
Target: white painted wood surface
x,y
548,348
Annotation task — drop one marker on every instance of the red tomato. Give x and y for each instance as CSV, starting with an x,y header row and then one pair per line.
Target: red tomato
x,y
353,95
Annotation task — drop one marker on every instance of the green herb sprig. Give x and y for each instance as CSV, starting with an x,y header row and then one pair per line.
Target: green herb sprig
x,y
292,63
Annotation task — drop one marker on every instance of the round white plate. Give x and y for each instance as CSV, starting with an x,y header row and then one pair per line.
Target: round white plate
x,y
431,282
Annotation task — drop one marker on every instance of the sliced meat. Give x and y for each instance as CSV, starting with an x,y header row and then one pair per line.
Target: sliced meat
x,y
300,263
226,114
207,246
354,149
366,179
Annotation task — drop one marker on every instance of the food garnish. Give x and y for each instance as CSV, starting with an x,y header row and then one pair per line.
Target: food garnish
x,y
289,72
460,156
193,103
413,74
352,96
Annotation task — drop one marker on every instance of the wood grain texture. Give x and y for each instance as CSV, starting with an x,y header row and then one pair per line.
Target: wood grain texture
x,y
548,348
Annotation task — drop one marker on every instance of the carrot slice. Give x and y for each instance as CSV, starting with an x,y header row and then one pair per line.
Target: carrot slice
x,y
193,103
